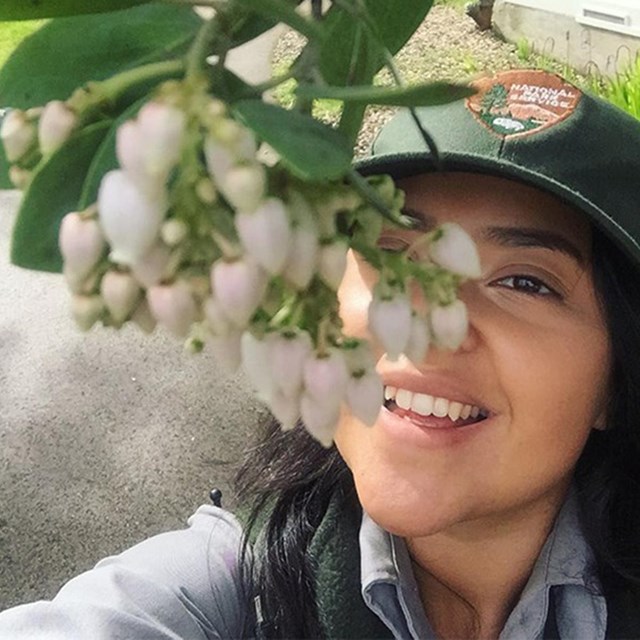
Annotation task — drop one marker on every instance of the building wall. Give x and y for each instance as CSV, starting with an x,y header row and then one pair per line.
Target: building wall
x,y
554,30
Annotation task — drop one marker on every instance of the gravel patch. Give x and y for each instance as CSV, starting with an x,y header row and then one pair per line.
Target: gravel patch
x,y
447,46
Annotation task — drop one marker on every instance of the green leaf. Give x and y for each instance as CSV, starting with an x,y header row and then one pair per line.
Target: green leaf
x,y
347,40
433,93
22,10
284,12
310,149
5,183
68,52
53,192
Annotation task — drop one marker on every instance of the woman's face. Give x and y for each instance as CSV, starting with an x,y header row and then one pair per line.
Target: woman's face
x,y
535,361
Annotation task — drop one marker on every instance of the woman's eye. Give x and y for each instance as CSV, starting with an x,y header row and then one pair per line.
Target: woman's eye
x,y
526,284
392,245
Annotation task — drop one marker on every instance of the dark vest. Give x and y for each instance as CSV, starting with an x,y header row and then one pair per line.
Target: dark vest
x,y
335,550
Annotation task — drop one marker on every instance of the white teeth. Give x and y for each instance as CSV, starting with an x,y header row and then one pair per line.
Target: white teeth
x,y
403,398
427,405
455,408
440,407
422,404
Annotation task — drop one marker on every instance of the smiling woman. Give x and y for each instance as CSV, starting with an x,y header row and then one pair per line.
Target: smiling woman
x,y
498,492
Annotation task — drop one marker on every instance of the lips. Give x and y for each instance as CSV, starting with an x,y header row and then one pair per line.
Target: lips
x,y
430,411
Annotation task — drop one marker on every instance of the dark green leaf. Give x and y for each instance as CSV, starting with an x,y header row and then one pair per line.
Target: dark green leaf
x,y
24,10
311,150
5,183
68,52
347,40
53,192
422,95
283,11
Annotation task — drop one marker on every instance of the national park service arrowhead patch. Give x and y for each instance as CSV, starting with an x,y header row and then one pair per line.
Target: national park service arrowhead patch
x,y
522,102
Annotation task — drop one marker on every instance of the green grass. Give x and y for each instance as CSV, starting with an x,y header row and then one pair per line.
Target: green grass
x,y
623,89
12,33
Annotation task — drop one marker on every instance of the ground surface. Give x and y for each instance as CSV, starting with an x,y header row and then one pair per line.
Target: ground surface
x,y
106,439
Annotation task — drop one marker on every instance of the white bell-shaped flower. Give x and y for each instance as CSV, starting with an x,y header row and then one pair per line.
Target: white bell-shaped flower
x,y
450,324
130,218
365,396
285,408
86,310
173,232
238,287
289,352
326,376
173,306
56,124
18,134
332,263
244,186
219,159
143,318
120,293
227,351
154,266
419,339
320,418
82,244
456,251
265,234
302,259
256,363
390,323
217,320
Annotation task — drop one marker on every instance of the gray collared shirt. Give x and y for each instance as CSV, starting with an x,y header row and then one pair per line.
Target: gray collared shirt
x,y
185,585
564,571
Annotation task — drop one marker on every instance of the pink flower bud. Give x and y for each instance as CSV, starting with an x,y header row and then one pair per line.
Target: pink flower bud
x,y
456,251
256,363
217,320
244,186
265,234
227,350
450,324
130,218
81,245
419,339
219,159
57,122
365,396
18,134
325,378
302,258
320,418
154,266
239,287
120,293
390,323
332,263
150,146
288,356
173,306
143,318
86,310
173,232
286,409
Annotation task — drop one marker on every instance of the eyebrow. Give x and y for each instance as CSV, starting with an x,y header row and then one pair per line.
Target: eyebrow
x,y
535,238
508,236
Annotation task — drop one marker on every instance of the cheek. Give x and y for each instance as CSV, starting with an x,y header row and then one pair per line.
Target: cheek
x,y
354,296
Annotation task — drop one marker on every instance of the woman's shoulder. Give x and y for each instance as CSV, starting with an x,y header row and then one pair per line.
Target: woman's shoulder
x,y
186,583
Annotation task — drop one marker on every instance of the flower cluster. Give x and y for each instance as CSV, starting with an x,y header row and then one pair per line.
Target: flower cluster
x,y
198,233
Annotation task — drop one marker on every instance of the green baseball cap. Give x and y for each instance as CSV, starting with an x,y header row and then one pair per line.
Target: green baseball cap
x,y
534,127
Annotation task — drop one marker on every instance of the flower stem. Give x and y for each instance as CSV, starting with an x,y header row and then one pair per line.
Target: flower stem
x,y
200,50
